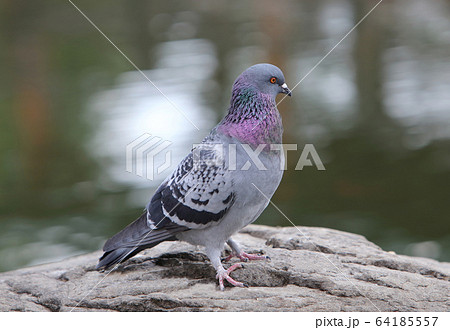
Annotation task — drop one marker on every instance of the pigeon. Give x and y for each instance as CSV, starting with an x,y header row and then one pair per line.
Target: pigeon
x,y
222,185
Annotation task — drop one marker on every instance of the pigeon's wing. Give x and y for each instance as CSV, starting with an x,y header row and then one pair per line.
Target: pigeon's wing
x,y
197,195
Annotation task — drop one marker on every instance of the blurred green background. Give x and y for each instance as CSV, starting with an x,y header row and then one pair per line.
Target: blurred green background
x,y
377,109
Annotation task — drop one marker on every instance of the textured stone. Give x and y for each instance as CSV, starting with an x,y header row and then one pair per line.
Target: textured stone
x,y
312,269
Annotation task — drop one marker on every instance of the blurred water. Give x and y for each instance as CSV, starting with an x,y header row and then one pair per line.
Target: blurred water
x,y
377,110
135,107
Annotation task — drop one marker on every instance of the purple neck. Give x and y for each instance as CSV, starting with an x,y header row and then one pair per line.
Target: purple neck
x,y
252,118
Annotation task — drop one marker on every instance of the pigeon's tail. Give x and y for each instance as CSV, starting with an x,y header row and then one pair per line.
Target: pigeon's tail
x,y
131,240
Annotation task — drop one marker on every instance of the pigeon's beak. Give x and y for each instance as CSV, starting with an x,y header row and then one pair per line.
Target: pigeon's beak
x,y
286,90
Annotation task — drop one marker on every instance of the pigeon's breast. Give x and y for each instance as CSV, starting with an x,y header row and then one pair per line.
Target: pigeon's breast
x,y
256,174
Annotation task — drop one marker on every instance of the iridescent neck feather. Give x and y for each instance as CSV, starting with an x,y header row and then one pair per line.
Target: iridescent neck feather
x,y
253,117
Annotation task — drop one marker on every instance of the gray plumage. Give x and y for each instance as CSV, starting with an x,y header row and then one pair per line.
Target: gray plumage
x,y
210,195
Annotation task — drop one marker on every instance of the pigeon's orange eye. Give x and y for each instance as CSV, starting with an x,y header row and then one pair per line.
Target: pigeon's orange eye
x,y
273,80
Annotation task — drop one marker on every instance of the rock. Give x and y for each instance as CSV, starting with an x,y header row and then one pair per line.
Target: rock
x,y
311,269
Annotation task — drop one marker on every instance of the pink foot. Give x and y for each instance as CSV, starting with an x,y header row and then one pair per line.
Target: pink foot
x,y
224,274
246,257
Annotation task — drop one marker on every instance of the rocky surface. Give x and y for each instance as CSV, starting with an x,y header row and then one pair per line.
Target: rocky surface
x,y
312,269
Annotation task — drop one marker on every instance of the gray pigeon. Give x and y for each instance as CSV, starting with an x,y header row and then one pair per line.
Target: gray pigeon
x,y
212,193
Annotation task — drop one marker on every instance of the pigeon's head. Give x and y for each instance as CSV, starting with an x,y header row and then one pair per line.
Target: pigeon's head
x,y
265,78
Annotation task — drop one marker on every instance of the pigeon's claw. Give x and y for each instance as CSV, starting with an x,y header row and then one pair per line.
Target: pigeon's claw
x,y
247,256
224,274
226,259
244,257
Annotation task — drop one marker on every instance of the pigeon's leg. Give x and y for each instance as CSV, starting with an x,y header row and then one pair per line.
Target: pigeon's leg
x,y
222,273
237,252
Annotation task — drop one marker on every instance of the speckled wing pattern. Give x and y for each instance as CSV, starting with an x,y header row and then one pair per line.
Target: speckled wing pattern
x,y
197,195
